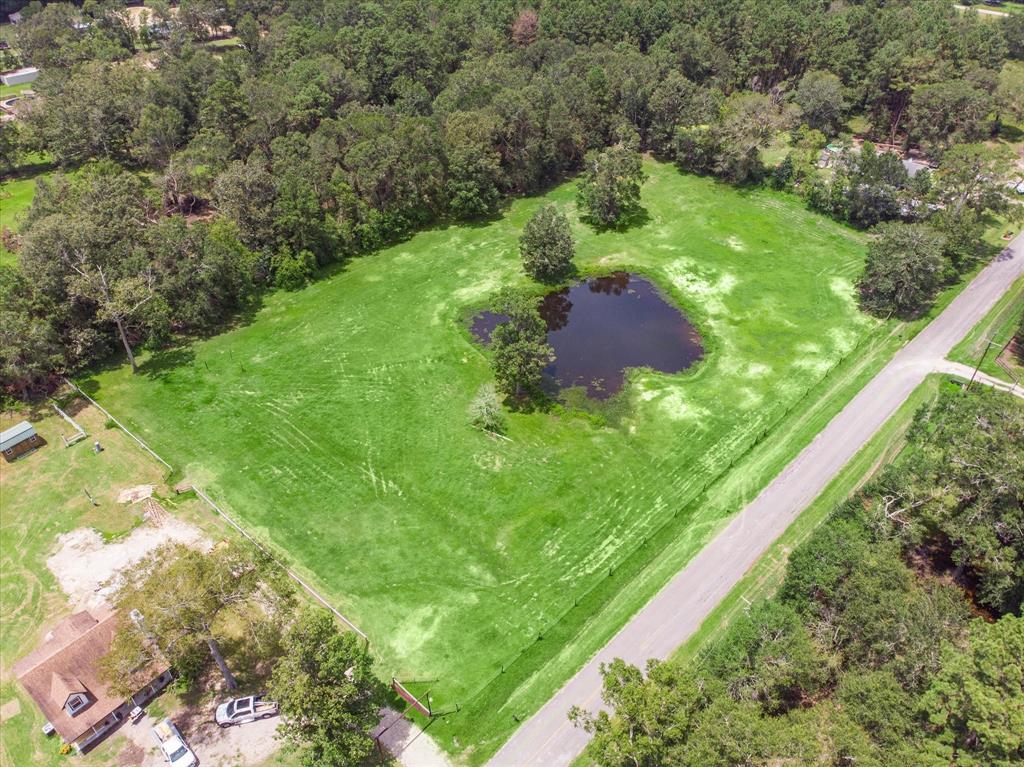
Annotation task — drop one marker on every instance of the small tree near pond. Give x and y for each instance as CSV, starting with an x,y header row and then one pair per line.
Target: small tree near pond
x,y
610,189
185,603
325,687
485,410
546,245
519,346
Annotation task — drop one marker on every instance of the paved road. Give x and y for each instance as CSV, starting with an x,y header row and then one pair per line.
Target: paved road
x,y
548,739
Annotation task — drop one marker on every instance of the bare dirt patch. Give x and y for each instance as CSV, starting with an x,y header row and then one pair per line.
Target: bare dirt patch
x,y
86,567
10,709
133,494
132,755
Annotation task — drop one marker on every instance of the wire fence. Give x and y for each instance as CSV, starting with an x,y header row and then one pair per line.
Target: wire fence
x,y
227,518
120,425
308,589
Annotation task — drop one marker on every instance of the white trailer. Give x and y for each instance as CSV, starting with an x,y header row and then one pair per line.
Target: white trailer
x,y
19,76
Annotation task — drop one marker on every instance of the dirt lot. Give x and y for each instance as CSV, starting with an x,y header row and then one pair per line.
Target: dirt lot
x,y
86,568
240,746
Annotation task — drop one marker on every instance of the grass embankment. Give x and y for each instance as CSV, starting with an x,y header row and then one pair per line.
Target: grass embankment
x,y
334,426
42,496
993,333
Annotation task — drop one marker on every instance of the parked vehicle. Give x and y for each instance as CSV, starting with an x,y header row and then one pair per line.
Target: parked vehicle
x,y
242,710
172,745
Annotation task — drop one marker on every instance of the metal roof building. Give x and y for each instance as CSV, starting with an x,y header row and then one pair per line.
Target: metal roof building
x,y
20,438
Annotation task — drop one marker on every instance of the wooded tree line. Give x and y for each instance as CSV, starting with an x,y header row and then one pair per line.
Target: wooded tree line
x,y
895,638
334,127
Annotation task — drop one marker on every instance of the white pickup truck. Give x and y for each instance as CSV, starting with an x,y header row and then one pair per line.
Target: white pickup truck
x,y
242,710
172,745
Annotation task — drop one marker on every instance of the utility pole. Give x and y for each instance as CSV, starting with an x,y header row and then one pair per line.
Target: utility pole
x,y
984,353
989,345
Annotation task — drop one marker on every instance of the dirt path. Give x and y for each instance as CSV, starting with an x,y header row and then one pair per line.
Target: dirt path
x,y
548,739
966,372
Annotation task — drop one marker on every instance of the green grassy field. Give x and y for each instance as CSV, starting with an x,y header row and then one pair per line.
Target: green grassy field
x,y
334,426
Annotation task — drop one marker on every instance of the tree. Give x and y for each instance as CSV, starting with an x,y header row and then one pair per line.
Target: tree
x,y
47,36
92,113
205,273
949,112
29,346
867,188
610,188
158,134
325,687
524,28
82,244
11,144
292,270
248,31
904,269
876,701
966,487
676,102
187,601
770,658
964,230
1010,96
474,166
519,345
245,193
485,410
976,702
696,149
974,176
749,123
546,245
653,714
820,96
202,18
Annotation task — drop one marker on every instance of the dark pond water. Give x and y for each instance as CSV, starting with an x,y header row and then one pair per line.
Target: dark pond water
x,y
604,325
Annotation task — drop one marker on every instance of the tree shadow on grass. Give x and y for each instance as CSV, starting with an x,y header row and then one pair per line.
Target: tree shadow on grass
x,y
634,218
161,363
541,400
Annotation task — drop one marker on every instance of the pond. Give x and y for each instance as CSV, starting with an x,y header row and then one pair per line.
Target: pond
x,y
602,326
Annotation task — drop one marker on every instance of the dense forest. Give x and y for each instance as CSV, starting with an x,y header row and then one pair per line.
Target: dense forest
x,y
896,637
192,177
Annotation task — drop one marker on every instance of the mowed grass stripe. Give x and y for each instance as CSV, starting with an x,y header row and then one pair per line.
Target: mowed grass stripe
x,y
334,423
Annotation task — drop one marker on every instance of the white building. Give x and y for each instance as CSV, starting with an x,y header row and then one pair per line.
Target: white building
x,y
19,76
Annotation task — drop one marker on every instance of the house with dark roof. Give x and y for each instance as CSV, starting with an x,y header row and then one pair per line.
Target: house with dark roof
x,y
63,677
